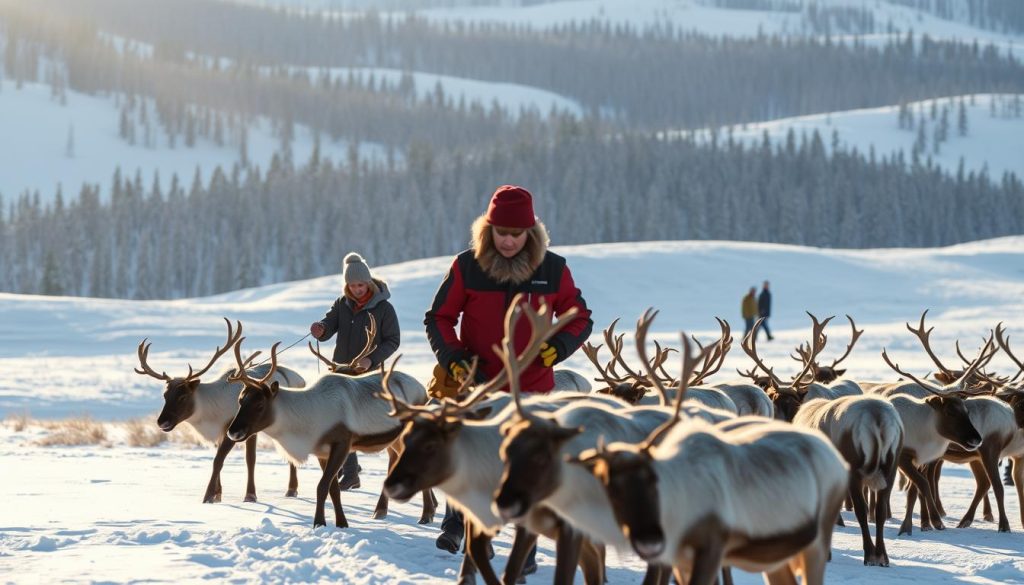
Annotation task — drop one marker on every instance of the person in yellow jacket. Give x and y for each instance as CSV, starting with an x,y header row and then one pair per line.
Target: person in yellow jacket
x,y
749,309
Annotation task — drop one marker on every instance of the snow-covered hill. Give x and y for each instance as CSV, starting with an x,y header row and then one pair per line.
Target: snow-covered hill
x,y
44,143
994,137
118,514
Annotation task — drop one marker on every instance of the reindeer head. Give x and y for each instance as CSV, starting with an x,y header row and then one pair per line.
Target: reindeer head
x,y
179,393
428,457
829,374
627,471
256,400
788,397
948,403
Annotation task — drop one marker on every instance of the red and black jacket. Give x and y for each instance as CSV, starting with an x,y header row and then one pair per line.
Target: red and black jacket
x,y
481,302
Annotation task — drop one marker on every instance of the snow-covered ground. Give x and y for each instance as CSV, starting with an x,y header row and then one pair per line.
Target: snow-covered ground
x,y
113,513
995,142
35,131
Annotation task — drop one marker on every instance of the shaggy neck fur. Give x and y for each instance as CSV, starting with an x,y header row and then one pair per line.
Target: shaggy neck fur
x,y
517,269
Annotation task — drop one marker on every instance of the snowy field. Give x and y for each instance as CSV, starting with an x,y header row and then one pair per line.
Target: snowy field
x,y
107,512
992,141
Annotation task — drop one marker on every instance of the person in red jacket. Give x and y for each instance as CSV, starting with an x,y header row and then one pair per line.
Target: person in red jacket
x,y
509,256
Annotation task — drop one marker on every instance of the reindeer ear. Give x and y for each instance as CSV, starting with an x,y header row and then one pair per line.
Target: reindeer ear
x,y
274,387
934,402
480,413
191,385
840,372
587,458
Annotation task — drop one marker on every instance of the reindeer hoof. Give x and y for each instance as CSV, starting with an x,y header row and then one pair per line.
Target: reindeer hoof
x,y
318,522
938,525
291,494
989,518
840,522
905,530
425,519
250,497
214,499
379,514
1004,527
342,524
965,523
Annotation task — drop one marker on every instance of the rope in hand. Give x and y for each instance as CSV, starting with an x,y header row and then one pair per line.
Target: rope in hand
x,y
300,340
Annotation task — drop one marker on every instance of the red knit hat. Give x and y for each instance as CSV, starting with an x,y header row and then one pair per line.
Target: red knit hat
x,y
511,207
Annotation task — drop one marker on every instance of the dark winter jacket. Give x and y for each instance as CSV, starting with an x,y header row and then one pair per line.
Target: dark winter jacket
x,y
764,304
481,302
351,327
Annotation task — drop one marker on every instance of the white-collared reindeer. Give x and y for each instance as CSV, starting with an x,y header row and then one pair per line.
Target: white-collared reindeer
x,y
762,497
337,414
452,447
868,432
537,445
933,417
208,407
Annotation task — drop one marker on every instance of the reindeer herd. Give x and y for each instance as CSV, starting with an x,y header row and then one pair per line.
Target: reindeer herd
x,y
694,477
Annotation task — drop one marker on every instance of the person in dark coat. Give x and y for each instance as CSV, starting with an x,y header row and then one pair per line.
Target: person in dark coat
x,y
764,309
349,317
509,256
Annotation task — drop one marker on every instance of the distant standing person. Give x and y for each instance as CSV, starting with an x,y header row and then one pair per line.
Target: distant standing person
x,y
764,309
749,309
349,317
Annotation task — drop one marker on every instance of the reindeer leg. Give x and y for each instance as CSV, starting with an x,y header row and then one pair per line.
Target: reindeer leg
x,y
1018,482
329,483
523,541
656,575
250,468
567,554
592,562
213,489
881,499
990,462
727,576
980,490
707,560
293,482
476,547
936,474
860,509
906,465
429,507
781,576
467,570
381,511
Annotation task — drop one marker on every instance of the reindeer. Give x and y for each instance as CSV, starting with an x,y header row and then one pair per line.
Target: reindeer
x,y
788,397
762,496
635,388
868,432
443,446
336,414
930,423
537,444
208,408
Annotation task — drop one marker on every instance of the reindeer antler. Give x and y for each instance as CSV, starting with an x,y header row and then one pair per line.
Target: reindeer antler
x,y
143,362
749,346
643,324
713,361
818,341
399,408
1004,342
241,375
689,365
854,336
896,368
923,335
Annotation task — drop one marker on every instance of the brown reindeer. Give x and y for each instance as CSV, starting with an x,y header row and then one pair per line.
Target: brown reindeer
x,y
208,408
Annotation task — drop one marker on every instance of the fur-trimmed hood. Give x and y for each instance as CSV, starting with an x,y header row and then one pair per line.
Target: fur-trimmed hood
x,y
520,267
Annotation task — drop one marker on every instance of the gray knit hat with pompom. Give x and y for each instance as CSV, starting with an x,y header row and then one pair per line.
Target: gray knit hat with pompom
x,y
355,269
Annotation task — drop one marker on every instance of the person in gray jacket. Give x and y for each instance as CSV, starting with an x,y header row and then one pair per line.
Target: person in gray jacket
x,y
349,317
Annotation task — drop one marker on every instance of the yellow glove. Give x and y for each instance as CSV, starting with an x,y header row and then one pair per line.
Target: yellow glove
x,y
459,370
548,355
